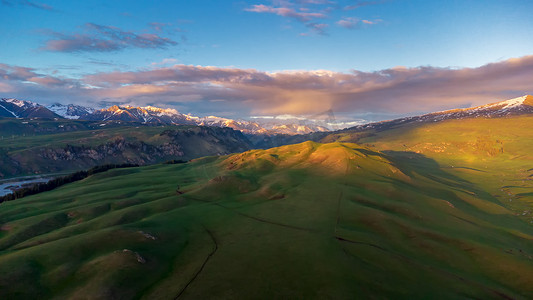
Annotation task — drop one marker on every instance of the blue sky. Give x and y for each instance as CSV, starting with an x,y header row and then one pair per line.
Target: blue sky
x,y
64,43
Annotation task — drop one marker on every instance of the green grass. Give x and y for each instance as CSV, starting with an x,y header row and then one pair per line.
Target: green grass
x,y
302,221
494,153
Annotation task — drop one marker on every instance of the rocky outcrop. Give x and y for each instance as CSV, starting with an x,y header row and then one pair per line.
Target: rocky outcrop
x,y
115,150
170,143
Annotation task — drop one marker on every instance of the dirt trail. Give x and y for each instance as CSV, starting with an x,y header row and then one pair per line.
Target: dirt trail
x,y
213,251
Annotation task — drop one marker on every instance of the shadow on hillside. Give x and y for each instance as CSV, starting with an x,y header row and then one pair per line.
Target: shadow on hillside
x,y
411,163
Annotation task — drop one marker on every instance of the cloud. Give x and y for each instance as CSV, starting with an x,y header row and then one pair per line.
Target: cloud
x,y
360,3
319,28
100,38
23,74
37,5
308,12
157,26
353,23
386,93
316,2
286,12
27,3
165,61
299,11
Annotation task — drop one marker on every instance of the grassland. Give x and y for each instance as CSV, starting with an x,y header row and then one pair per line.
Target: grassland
x,y
304,221
493,153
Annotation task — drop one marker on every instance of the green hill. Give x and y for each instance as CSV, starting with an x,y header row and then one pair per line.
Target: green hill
x,y
310,220
494,153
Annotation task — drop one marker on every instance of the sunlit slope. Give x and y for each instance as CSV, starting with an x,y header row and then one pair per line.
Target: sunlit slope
x,y
301,221
495,153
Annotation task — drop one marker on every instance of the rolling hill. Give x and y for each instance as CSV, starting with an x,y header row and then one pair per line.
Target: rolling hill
x,y
412,210
493,152
301,221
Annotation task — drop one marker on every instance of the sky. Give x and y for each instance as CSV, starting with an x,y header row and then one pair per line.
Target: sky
x,y
365,60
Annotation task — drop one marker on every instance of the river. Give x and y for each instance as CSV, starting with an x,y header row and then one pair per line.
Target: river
x,y
7,185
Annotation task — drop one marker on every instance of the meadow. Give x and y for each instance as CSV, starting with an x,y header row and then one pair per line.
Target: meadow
x,y
309,220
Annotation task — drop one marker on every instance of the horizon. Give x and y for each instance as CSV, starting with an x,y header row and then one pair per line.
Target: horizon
x,y
316,120
362,60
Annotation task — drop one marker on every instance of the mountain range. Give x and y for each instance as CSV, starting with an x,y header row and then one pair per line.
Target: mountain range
x,y
14,108
60,142
511,107
10,107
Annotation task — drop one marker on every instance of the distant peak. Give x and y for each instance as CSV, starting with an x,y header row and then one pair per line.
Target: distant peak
x,y
16,102
507,104
158,109
516,102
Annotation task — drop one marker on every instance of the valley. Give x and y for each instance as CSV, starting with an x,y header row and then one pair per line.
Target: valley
x,y
50,146
266,149
411,210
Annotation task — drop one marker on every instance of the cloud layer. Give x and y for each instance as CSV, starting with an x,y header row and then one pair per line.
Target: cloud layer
x,y
243,92
100,38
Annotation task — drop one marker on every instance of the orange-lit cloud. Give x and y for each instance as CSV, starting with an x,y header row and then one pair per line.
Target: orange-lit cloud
x,y
208,90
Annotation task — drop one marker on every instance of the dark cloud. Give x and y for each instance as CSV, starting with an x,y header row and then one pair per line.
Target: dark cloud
x,y
100,38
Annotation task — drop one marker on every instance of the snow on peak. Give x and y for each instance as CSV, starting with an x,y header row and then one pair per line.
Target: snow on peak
x,y
504,105
161,111
69,111
59,109
514,102
15,102
20,103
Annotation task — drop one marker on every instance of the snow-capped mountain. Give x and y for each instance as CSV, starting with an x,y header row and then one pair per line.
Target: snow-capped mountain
x,y
147,114
70,111
154,115
10,107
14,108
244,126
298,129
515,106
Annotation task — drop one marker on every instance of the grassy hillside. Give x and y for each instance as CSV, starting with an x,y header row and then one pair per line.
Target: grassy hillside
x,y
303,221
492,153
48,146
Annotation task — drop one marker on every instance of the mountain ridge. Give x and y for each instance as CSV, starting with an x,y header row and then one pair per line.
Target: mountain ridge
x,y
10,107
514,106
14,108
